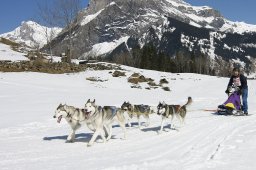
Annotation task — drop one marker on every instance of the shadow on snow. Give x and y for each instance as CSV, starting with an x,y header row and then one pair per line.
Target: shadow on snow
x,y
81,137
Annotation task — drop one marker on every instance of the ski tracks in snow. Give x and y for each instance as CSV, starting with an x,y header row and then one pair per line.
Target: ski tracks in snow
x,y
199,144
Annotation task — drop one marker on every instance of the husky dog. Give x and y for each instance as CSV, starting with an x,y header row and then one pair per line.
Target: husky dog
x,y
231,89
98,119
167,111
103,117
137,110
74,116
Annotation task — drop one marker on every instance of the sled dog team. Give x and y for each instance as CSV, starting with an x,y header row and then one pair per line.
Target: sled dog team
x,y
99,119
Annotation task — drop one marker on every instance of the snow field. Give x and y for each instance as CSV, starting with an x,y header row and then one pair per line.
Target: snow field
x,y
31,139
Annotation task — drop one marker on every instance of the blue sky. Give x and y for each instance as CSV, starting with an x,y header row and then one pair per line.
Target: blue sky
x,y
234,10
13,12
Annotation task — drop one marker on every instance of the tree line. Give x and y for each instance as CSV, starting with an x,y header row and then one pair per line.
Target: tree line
x,y
181,62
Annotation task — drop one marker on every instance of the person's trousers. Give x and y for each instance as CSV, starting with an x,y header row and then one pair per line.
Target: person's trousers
x,y
244,97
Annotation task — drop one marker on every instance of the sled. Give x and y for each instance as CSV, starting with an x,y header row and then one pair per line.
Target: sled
x,y
232,106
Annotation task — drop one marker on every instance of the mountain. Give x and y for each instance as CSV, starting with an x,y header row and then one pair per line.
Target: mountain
x,y
113,28
31,34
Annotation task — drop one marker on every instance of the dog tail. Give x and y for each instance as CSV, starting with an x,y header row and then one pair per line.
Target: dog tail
x,y
183,109
189,102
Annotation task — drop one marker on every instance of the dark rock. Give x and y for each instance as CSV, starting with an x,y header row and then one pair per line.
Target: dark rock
x,y
118,74
166,89
164,81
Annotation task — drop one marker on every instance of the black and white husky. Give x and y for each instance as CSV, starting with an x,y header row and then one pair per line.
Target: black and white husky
x,y
169,111
138,111
98,119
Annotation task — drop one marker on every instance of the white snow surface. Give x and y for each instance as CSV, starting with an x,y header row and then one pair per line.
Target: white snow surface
x,y
31,139
238,27
6,53
105,47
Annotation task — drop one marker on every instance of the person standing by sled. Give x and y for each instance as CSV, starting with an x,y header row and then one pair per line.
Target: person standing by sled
x,y
240,81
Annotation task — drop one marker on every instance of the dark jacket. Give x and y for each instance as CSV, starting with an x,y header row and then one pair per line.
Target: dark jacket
x,y
243,80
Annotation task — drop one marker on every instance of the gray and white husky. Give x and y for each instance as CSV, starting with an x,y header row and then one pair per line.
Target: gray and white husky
x,y
167,111
138,111
98,119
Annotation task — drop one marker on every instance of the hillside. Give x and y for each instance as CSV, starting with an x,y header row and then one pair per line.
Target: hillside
x,y
9,51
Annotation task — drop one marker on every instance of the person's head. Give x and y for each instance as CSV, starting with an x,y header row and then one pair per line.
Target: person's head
x,y
236,71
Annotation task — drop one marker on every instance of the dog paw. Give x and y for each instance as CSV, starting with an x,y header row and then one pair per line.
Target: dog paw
x,y
124,138
174,128
167,130
69,141
89,144
108,138
159,132
146,125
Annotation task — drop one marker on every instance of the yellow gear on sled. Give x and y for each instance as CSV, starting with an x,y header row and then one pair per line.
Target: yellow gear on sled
x,y
230,105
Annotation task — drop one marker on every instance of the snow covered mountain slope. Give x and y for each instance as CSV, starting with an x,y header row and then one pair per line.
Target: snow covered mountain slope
x,y
7,53
113,28
31,34
200,16
204,16
31,139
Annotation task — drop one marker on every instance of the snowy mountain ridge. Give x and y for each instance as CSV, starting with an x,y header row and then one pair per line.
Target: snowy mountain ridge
x,y
108,21
31,34
199,16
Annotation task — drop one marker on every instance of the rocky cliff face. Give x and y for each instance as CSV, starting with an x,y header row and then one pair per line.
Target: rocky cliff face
x,y
116,26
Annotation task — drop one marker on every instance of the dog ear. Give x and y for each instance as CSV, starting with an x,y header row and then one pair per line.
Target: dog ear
x,y
88,101
93,101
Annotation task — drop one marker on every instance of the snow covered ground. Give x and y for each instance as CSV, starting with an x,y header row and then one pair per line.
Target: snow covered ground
x,y
6,53
31,139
